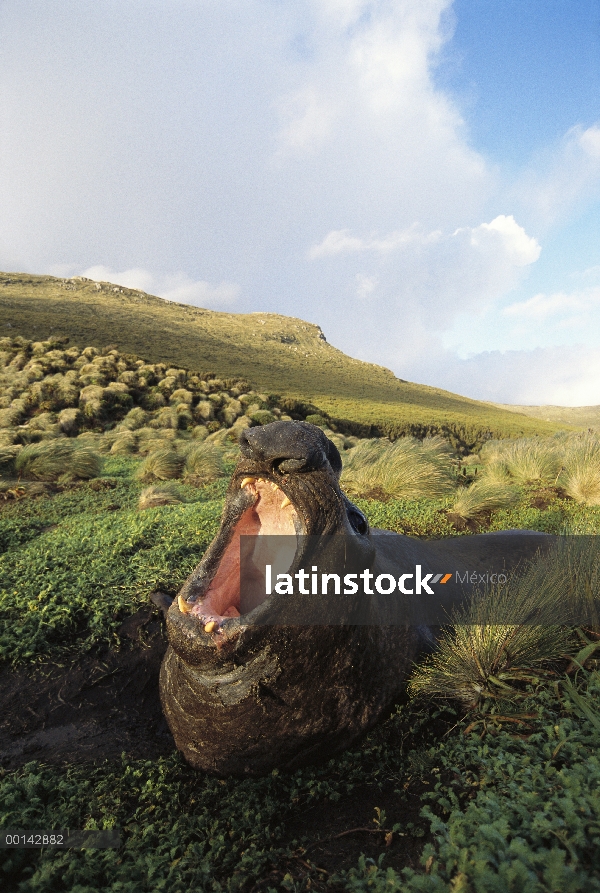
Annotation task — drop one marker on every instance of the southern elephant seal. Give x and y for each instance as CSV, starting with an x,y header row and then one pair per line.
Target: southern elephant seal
x,y
246,687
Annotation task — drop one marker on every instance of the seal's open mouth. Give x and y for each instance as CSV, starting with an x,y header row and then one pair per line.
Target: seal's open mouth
x,y
264,510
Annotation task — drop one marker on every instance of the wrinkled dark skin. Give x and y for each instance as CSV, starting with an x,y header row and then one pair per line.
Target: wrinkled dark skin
x,y
250,698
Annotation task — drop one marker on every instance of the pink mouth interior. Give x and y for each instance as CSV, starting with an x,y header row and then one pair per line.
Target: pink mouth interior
x,y
265,518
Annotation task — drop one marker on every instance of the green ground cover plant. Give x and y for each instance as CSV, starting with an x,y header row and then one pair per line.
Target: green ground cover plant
x,y
185,830
75,583
530,821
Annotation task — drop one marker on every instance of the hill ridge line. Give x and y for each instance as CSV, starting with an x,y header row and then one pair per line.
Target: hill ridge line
x,y
277,353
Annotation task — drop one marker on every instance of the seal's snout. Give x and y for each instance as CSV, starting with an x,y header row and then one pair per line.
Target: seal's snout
x,y
290,447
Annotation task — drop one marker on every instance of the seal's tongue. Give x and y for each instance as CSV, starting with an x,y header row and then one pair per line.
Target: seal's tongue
x,y
271,514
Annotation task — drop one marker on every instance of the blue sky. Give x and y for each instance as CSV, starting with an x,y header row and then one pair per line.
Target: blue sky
x,y
419,177
528,71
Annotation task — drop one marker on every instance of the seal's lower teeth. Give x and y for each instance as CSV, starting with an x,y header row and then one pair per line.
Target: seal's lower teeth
x,y
285,502
183,605
210,626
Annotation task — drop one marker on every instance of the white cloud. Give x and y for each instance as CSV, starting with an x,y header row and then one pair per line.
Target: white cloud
x,y
176,287
367,58
568,305
427,279
310,118
542,306
338,241
502,233
561,178
134,278
363,113
520,248
589,274
342,13
365,285
184,290
342,242
589,140
560,376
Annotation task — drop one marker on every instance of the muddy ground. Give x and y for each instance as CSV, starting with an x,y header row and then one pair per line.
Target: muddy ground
x,y
91,710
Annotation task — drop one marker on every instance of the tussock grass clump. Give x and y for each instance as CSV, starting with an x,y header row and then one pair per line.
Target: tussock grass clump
x,y
9,417
204,411
580,476
512,633
136,418
94,441
236,430
341,441
496,472
199,432
51,459
317,419
44,422
485,495
166,418
149,440
262,417
159,494
582,483
204,463
406,469
533,462
569,462
162,465
70,420
7,437
181,395
8,454
183,417
124,443
231,412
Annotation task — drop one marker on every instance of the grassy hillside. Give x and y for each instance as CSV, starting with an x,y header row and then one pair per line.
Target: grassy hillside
x,y
583,416
278,354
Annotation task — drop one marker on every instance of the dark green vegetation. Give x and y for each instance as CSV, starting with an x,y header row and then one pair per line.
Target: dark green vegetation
x,y
81,561
502,795
278,354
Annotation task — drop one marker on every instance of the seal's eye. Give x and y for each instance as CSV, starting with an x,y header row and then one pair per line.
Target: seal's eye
x,y
357,520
